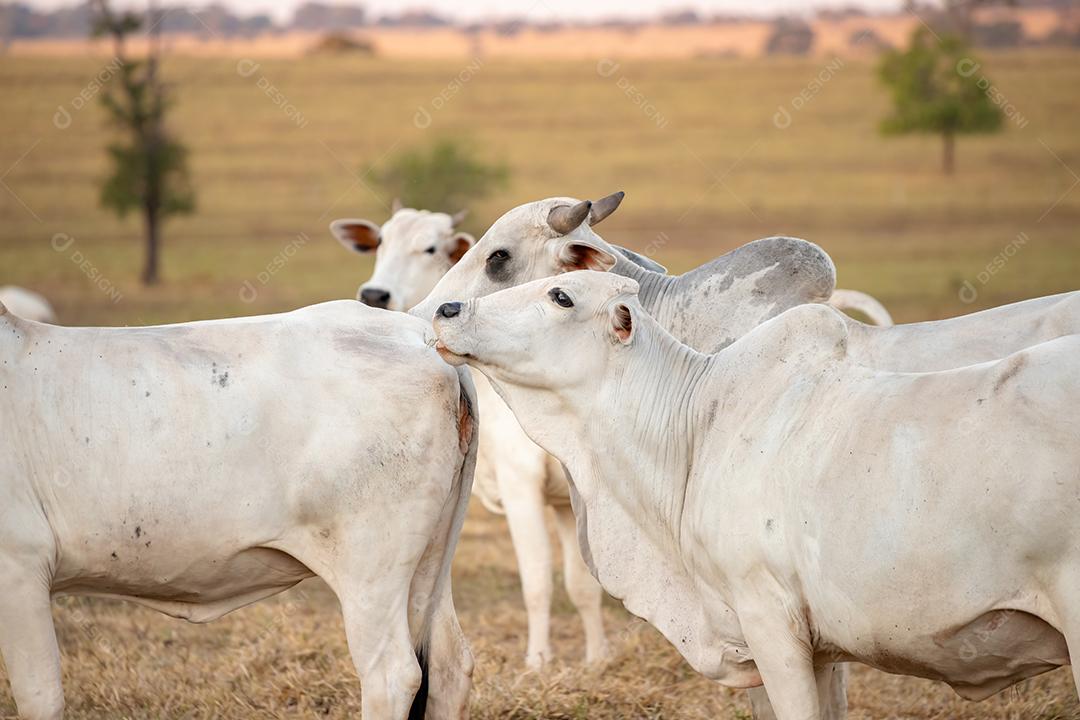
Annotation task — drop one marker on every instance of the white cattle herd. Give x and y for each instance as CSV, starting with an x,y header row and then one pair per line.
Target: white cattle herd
x,y
778,488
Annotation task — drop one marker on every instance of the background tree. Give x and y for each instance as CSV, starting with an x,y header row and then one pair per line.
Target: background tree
x,y
935,90
149,166
446,176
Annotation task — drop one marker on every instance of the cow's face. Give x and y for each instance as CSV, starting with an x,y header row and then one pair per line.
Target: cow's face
x,y
413,249
536,240
553,333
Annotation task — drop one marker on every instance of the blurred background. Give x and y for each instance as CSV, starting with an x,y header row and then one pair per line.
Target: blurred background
x,y
164,163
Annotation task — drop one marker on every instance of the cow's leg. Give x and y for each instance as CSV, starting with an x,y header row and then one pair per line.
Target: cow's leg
x,y
759,704
28,643
377,628
783,656
832,691
1068,607
584,591
450,663
370,566
832,694
523,501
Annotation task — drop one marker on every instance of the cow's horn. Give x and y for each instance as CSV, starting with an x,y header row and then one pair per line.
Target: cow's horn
x,y
457,217
605,206
565,219
396,205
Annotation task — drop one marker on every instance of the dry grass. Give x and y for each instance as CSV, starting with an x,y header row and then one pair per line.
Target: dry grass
x,y
287,657
716,175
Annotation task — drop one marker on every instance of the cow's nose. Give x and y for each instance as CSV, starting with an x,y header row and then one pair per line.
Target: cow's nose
x,y
448,310
375,297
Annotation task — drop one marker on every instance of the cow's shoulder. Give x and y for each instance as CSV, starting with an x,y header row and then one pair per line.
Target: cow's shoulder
x,y
797,340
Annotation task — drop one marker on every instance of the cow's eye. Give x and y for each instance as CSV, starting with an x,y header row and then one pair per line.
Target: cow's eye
x,y
430,250
560,298
498,266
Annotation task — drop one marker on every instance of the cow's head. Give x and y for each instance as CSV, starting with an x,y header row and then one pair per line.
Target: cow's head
x,y
532,241
413,249
556,333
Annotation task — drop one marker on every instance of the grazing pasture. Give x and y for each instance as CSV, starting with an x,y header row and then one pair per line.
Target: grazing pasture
x,y
279,149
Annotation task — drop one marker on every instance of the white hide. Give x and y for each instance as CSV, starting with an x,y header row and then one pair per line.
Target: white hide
x,y
199,467
777,507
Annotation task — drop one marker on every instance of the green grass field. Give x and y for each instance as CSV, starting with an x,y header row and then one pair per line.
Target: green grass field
x,y
717,174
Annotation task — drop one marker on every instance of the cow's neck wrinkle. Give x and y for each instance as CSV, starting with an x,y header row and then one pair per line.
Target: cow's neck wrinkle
x,y
652,287
642,430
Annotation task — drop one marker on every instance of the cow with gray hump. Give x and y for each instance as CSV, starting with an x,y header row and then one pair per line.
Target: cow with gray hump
x,y
413,249
226,461
713,305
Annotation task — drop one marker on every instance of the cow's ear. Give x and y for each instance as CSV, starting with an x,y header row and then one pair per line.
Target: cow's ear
x,y
578,254
622,323
459,245
361,236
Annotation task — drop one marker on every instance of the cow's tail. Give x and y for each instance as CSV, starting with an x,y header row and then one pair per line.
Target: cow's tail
x,y
863,303
419,707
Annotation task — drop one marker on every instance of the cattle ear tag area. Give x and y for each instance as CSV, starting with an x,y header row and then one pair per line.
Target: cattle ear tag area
x,y
459,245
622,323
360,236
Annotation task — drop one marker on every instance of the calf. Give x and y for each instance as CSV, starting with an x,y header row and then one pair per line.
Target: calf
x,y
200,467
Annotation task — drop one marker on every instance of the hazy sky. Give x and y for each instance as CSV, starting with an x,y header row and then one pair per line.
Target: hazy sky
x,y
534,9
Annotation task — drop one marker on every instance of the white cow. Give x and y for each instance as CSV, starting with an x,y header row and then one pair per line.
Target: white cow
x,y
413,249
712,305
777,507
27,304
200,467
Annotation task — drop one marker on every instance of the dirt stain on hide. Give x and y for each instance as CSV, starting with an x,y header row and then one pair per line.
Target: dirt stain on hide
x,y
216,378
1014,366
711,419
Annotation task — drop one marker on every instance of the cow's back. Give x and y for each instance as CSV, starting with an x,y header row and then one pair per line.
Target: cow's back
x,y
966,339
